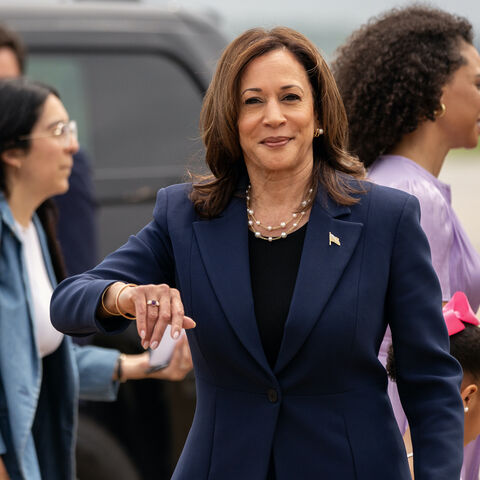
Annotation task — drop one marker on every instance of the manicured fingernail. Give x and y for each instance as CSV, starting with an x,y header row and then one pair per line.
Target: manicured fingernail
x,y
145,345
154,345
194,323
176,334
142,334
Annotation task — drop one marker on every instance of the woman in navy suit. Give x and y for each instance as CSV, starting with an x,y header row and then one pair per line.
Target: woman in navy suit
x,y
292,267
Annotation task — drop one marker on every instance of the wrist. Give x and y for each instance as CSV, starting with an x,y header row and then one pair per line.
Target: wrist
x,y
108,298
113,300
134,366
120,369
106,304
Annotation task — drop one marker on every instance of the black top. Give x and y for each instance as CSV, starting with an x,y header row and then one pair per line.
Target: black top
x,y
273,272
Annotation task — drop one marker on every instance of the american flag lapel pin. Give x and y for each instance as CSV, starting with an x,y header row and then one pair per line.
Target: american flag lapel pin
x,y
333,239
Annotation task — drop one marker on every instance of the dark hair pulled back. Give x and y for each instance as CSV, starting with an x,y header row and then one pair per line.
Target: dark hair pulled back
x,y
21,105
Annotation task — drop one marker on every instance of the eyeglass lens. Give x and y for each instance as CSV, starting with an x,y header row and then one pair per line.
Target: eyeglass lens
x,y
68,132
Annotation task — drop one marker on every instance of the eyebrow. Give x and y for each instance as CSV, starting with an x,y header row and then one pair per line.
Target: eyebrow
x,y
53,124
284,87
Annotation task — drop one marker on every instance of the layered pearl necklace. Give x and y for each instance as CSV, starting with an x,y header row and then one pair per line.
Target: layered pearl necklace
x,y
285,227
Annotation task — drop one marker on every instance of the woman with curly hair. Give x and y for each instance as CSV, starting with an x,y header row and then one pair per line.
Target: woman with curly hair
x,y
410,81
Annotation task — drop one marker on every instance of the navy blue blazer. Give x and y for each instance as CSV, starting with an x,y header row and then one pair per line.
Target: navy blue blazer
x,y
323,411
77,218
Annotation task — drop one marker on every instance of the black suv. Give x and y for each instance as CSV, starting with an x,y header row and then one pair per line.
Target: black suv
x,y
133,77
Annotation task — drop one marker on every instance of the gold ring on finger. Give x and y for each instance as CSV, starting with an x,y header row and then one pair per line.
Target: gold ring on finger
x,y
153,303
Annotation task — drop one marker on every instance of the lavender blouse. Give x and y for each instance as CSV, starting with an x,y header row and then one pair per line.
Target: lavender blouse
x,y
454,259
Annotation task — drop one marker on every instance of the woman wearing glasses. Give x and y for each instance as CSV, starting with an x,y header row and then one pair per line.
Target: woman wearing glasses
x,y
42,373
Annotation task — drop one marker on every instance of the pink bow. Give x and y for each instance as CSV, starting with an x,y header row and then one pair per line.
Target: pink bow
x,y
457,312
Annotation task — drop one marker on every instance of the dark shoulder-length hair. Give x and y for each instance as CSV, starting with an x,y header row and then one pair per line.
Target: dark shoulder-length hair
x,y
219,117
391,72
21,105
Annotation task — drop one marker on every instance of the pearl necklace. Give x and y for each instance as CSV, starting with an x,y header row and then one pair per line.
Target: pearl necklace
x,y
296,219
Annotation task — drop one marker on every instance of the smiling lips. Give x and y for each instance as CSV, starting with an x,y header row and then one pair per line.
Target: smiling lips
x,y
274,142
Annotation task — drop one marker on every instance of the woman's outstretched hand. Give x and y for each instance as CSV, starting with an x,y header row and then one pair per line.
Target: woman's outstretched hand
x,y
154,306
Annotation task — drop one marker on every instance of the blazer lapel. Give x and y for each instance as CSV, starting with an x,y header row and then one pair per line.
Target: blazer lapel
x,y
328,246
223,244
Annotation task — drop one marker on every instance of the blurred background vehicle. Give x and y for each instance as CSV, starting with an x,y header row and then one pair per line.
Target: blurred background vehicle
x,y
133,77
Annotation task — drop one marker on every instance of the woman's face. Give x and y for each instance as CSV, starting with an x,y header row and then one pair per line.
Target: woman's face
x,y
44,169
276,116
461,97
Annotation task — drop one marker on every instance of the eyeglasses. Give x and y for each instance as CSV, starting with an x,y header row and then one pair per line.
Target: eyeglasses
x,y
65,132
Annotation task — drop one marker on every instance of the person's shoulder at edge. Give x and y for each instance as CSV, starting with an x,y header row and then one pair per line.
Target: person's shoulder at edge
x,y
174,210
177,191
173,196
433,204
381,210
404,174
387,197
176,199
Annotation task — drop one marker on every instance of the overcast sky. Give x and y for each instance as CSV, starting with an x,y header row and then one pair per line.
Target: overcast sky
x,y
326,22
350,10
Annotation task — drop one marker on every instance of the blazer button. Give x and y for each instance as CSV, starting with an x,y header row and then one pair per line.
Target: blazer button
x,y
272,395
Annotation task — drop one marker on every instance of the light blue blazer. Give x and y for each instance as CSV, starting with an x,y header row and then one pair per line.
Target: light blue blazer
x,y
322,412
26,402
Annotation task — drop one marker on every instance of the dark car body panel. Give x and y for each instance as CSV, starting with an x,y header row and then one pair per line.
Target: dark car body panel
x,y
133,77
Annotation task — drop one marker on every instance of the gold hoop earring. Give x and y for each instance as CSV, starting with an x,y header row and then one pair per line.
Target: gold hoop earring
x,y
317,132
440,113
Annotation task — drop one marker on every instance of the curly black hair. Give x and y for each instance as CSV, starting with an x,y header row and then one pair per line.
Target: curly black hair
x,y
391,71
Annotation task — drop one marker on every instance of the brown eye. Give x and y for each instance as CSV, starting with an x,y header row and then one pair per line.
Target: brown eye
x,y
291,97
59,130
252,100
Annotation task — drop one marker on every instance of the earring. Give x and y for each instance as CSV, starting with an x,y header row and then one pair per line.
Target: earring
x,y
466,409
318,132
440,113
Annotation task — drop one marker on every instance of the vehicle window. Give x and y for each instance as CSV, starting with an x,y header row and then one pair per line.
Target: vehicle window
x,y
138,121
137,114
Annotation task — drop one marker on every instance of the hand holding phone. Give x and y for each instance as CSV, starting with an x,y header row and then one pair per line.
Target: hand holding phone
x,y
160,357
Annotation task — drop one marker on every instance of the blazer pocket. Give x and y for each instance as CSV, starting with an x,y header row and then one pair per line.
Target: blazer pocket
x,y
377,445
195,460
244,428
